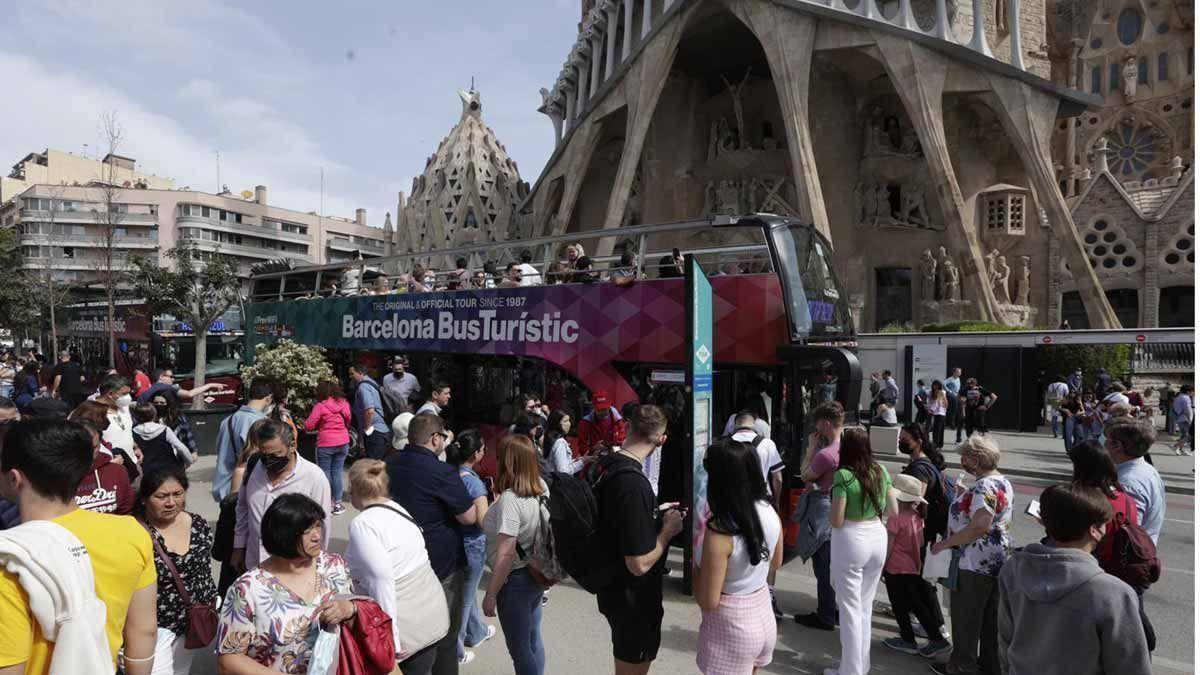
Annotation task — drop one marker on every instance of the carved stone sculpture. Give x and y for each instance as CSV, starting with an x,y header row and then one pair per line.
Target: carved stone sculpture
x,y
949,280
727,198
1000,281
1130,73
726,142
1023,282
739,116
928,277
912,206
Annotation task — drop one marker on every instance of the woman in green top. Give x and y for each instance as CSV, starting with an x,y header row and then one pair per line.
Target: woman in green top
x,y
858,545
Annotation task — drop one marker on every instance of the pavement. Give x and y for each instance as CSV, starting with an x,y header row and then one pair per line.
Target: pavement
x,y
577,639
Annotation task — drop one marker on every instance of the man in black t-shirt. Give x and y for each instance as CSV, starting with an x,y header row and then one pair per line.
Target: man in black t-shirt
x,y
68,380
637,539
976,401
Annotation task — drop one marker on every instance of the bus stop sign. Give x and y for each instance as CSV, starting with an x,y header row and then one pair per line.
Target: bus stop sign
x,y
698,377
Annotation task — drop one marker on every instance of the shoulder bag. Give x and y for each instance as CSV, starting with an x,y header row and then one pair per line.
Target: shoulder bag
x,y
202,619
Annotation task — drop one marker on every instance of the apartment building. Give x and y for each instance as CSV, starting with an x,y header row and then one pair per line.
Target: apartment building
x,y
57,167
59,228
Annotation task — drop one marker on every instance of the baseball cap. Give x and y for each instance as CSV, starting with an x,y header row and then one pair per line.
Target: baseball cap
x,y
402,360
908,488
600,400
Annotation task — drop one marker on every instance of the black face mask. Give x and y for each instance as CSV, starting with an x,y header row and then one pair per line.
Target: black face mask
x,y
275,463
163,412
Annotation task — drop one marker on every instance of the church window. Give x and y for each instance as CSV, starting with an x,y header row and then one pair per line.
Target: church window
x,y
1164,61
1129,26
1143,71
1114,76
1004,213
1096,79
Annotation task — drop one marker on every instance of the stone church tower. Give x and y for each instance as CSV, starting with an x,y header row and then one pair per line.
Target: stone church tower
x,y
468,193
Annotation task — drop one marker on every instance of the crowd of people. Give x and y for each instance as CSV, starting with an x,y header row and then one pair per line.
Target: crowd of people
x,y
144,598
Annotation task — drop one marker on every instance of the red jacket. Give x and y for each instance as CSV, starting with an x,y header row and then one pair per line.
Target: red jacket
x,y
106,488
609,431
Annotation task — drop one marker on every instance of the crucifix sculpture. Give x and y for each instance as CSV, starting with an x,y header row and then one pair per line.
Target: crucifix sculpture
x,y
739,116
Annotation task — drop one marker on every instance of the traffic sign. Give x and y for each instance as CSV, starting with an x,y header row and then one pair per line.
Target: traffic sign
x,y
1047,339
1140,338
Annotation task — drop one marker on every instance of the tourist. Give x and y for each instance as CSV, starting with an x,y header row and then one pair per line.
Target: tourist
x,y
667,268
626,272
771,467
885,416
980,523
827,389
1072,431
602,428
466,452
1056,393
439,398
42,463
927,464
231,437
532,404
68,380
280,470
512,276
1088,423
170,415
1058,611
8,371
512,525
459,278
1103,382
480,280
223,535
1127,442
583,271
889,391
529,273
860,497
819,466
1093,467
1184,417
573,253
297,587
403,383
939,404
976,401
330,418
921,403
1115,396
557,448
558,274
387,560
106,489
26,387
432,492
743,545
954,412
873,386
1075,381
114,394
908,592
400,430
493,274
630,533
164,385
182,547
368,409
159,445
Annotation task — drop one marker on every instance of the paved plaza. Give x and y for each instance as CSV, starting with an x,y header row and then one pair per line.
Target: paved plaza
x,y
576,636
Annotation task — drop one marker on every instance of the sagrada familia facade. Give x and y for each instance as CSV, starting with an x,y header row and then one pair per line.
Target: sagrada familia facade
x,y
1020,161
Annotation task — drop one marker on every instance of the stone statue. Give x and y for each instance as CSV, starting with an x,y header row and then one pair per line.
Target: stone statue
x,y
1023,282
738,115
912,206
1000,281
928,277
726,142
989,266
727,198
1130,73
949,280
883,203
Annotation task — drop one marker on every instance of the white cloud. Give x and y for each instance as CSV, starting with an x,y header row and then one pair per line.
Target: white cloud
x,y
62,109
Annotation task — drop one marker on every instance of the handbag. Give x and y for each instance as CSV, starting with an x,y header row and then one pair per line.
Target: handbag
x,y
367,646
202,619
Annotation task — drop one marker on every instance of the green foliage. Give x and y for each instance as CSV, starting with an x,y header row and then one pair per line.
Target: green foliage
x,y
1062,360
18,307
299,367
906,327
967,327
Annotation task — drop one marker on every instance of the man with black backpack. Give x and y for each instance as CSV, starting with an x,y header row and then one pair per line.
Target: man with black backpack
x,y
772,465
368,409
1059,612
634,533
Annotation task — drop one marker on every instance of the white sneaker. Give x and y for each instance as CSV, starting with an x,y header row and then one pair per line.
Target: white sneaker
x,y
467,657
491,633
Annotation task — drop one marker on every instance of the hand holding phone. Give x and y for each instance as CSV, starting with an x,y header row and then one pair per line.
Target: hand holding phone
x,y
1034,510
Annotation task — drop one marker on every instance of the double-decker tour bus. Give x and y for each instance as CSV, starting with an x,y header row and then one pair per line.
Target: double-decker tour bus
x,y
781,322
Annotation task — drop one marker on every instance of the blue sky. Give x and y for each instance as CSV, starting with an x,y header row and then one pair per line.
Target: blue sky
x,y
282,88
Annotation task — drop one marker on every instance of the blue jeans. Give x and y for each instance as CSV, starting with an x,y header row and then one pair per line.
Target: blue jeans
x,y
332,460
1069,432
827,609
519,607
474,629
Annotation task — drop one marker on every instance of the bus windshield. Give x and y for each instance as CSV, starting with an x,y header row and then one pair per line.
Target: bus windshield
x,y
817,305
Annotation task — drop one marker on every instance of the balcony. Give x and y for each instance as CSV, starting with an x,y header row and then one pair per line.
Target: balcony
x,y
345,244
85,215
265,231
246,251
90,240
87,264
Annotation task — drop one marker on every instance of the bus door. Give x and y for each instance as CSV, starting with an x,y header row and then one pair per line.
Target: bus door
x,y
812,375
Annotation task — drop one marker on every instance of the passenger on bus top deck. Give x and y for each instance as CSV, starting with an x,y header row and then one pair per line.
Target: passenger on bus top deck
x,y
512,276
574,253
381,285
583,270
479,279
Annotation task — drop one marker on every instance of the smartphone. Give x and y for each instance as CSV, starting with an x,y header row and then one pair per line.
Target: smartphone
x,y
1034,510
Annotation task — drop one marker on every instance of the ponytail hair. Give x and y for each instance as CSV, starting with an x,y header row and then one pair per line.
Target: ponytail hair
x,y
464,447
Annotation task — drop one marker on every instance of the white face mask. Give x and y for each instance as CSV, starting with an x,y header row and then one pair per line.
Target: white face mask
x,y
124,401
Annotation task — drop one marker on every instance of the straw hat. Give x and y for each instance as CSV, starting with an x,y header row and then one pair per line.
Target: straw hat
x,y
908,489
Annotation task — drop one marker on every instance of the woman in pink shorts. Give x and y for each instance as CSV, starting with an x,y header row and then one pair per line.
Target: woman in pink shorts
x,y
743,543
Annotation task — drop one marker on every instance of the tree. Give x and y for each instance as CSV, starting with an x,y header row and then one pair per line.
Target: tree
x,y
108,217
197,292
17,310
45,290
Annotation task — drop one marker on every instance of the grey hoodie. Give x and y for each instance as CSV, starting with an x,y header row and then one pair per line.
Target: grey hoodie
x,y
1060,613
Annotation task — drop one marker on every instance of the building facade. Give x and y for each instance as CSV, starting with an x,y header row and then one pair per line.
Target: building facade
x,y
56,167
62,229
919,135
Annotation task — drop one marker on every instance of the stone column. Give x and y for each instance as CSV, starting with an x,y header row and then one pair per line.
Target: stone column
x,y
610,34
554,111
574,161
594,78
1017,59
647,17
1150,271
1054,285
569,94
627,42
919,77
787,38
1028,116
581,67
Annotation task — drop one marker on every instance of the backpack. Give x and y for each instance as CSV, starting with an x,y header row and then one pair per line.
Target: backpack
x,y
1134,555
938,511
391,402
543,564
574,526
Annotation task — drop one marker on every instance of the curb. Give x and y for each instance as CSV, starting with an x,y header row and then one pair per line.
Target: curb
x,y
1043,476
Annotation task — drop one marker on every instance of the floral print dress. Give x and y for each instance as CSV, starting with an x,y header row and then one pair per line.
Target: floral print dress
x,y
265,620
987,554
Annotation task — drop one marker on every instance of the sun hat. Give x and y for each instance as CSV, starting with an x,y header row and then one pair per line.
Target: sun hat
x,y
908,488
